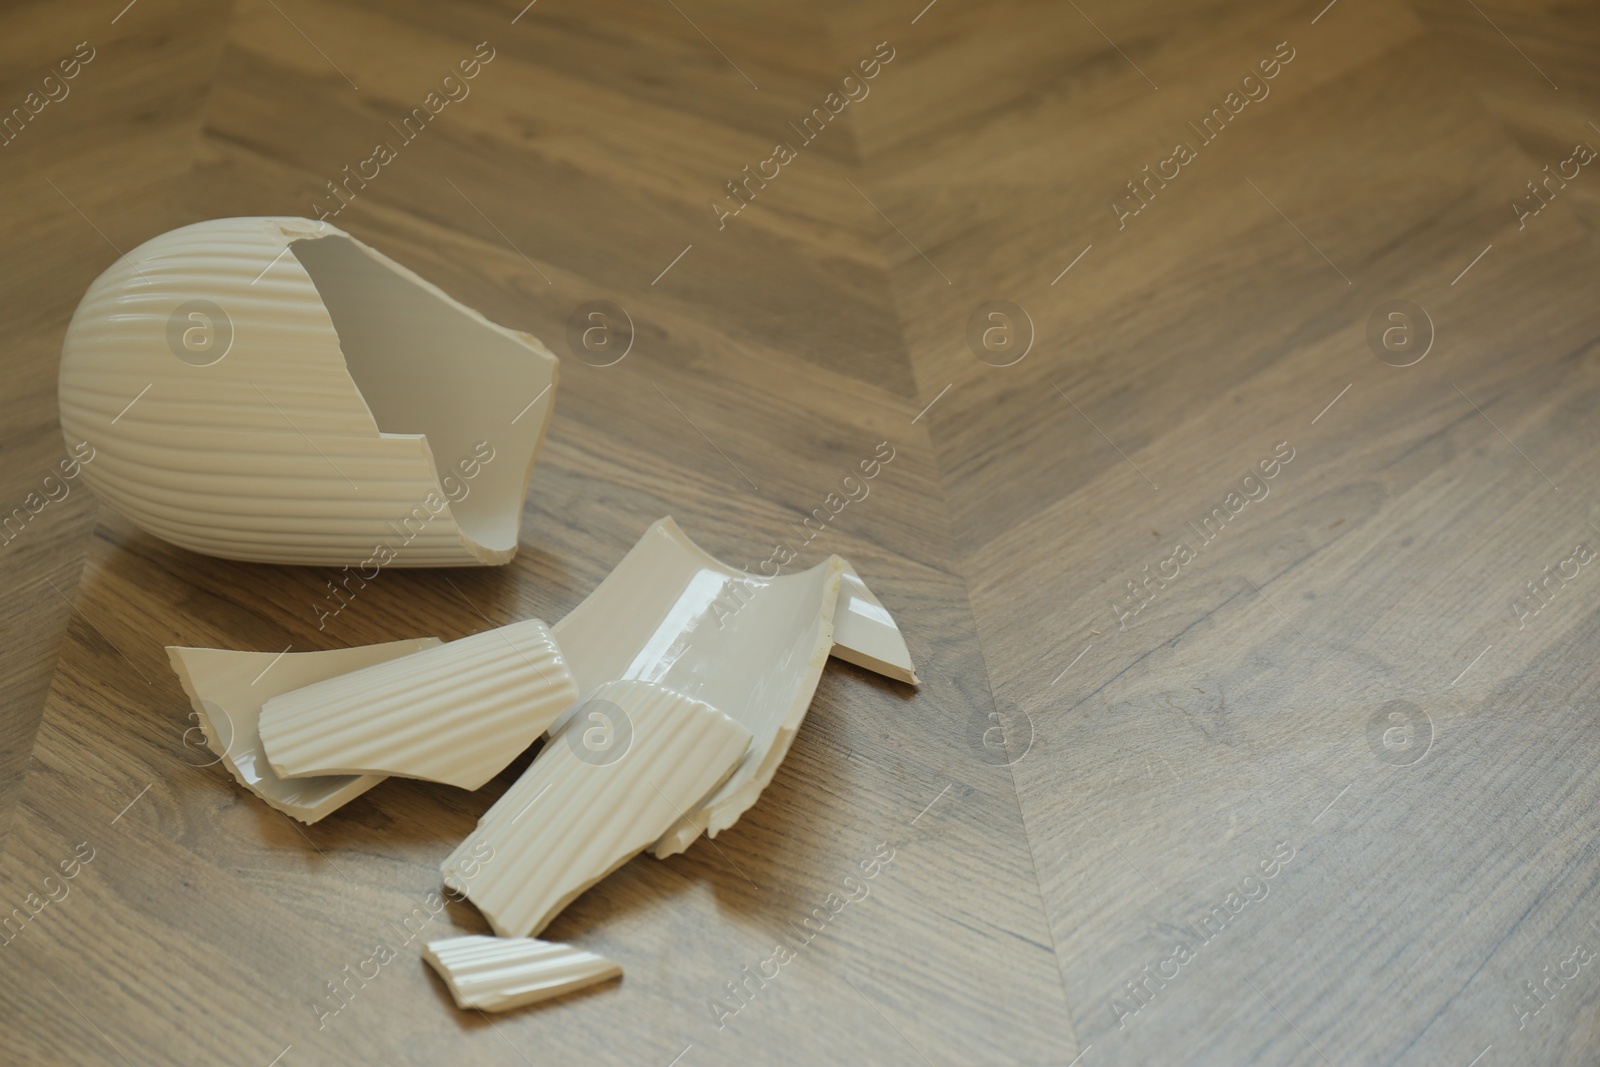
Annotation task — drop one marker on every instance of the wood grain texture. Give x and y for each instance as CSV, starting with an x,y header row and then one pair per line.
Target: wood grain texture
x,y
1233,727
67,174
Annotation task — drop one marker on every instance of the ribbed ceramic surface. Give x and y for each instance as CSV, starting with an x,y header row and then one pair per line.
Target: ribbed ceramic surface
x,y
269,453
227,690
499,973
456,714
572,819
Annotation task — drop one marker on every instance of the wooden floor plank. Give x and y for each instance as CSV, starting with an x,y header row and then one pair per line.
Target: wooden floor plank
x,y
1339,752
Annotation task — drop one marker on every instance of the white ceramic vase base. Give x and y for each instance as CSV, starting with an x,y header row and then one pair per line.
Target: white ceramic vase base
x,y
301,398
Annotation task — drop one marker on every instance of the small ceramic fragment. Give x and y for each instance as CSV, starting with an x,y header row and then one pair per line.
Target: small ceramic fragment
x,y
227,690
750,645
501,973
865,634
456,714
581,810
271,389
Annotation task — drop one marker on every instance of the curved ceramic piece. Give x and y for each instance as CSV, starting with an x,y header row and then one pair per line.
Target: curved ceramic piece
x,y
579,812
456,714
501,973
271,389
227,690
865,634
744,643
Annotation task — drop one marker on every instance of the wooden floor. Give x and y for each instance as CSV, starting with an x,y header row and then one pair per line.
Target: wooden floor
x,y
1242,738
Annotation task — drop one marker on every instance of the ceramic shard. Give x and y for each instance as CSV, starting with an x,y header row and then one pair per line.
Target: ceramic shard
x,y
585,806
865,634
750,645
271,389
500,973
456,714
227,690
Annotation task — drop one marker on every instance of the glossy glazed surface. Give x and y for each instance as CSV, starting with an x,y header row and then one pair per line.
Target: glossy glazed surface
x,y
751,646
227,690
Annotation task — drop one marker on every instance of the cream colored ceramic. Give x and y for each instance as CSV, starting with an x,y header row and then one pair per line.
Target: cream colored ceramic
x,y
501,973
865,634
748,645
271,389
669,613
697,675
227,690
456,714
584,808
